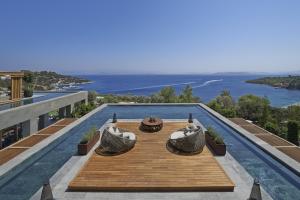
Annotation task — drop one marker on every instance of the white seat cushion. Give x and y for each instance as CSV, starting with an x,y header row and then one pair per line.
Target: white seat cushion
x,y
190,133
129,135
114,131
176,135
191,127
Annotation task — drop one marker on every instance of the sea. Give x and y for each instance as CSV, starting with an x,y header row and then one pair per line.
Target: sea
x,y
207,87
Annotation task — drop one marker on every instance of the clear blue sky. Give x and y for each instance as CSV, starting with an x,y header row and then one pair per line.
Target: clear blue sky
x,y
150,36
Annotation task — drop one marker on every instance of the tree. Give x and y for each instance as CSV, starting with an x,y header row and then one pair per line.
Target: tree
x,y
82,109
225,100
224,104
293,132
273,128
254,108
92,95
156,98
28,77
187,96
293,113
168,94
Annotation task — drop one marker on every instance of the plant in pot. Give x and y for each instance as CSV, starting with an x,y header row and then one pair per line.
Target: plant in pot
x,y
88,140
215,141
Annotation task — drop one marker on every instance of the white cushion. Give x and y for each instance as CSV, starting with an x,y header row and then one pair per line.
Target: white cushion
x,y
190,133
114,131
176,135
191,127
129,135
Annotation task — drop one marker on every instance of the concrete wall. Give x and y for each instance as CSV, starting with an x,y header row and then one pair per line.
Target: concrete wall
x,y
33,111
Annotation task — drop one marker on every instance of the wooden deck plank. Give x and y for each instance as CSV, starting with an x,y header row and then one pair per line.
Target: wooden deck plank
x,y
9,153
30,141
20,146
273,140
149,166
65,121
240,121
293,152
50,129
255,129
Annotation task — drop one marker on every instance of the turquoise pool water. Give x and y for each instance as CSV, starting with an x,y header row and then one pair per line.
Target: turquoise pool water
x,y
43,97
275,178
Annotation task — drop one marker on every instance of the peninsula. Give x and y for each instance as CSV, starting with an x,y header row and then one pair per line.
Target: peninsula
x,y
288,82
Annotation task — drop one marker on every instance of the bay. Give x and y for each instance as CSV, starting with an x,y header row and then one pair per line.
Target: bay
x,y
206,87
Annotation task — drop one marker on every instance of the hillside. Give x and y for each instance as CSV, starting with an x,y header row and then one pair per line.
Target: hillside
x,y
46,80
288,82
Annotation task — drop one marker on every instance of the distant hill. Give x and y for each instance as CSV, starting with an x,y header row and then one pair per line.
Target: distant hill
x,y
48,80
45,80
288,82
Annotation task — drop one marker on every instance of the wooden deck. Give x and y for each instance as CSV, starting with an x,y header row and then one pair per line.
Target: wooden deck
x,y
9,153
149,166
15,149
282,145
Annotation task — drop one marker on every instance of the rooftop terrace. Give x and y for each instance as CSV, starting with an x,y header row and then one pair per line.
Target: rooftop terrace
x,y
247,157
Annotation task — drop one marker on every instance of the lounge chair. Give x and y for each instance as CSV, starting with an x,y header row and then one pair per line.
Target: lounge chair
x,y
188,140
115,140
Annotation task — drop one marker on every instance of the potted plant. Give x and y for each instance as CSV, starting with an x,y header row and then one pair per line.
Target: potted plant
x,y
215,141
89,139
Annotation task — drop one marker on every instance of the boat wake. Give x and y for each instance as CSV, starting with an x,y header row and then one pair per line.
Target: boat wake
x,y
153,86
207,83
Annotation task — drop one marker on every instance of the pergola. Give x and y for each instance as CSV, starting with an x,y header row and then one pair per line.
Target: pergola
x,y
16,84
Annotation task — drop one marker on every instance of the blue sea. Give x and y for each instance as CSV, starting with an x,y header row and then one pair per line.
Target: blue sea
x,y
206,87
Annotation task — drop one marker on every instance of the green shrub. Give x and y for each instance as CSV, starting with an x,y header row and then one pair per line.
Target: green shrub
x,y
215,136
82,109
89,135
293,132
219,140
273,128
28,92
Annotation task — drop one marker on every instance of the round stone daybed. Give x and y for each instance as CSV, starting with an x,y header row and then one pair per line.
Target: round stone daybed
x,y
187,141
151,124
115,141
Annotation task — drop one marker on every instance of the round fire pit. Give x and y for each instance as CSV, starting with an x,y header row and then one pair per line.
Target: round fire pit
x,y
151,124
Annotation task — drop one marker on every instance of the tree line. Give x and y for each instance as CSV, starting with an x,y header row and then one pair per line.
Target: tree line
x,y
283,122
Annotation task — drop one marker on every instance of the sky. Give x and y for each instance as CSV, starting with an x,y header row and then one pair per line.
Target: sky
x,y
150,36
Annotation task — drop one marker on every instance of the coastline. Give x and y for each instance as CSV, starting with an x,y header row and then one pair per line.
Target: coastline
x,y
293,104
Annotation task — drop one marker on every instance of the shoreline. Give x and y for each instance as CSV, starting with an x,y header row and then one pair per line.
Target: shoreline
x,y
292,104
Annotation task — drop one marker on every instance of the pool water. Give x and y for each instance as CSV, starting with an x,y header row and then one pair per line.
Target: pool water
x,y
275,178
41,97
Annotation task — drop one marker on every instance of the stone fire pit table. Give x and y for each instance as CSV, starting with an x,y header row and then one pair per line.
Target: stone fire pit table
x,y
151,124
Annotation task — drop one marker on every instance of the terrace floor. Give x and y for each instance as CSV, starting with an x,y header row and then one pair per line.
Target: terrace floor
x,y
149,166
282,145
14,150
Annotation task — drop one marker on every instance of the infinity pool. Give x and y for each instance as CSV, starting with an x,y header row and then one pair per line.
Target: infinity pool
x,y
275,178
40,97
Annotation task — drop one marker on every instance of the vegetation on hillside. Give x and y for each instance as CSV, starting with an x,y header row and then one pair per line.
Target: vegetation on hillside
x,y
258,110
289,82
165,95
47,80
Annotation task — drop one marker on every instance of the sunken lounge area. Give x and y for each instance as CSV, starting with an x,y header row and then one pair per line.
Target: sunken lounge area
x,y
150,166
